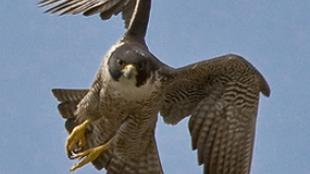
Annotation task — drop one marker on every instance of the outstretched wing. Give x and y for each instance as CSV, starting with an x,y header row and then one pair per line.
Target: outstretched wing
x,y
134,12
106,8
99,132
221,95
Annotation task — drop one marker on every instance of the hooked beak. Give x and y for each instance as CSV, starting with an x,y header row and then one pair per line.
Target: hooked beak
x,y
129,71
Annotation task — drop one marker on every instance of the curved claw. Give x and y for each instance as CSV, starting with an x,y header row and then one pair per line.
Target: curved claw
x,y
76,139
88,156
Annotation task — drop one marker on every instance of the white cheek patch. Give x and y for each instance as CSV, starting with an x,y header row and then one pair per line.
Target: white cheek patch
x,y
127,89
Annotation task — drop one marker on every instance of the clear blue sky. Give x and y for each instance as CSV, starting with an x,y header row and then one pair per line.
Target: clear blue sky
x,y
39,52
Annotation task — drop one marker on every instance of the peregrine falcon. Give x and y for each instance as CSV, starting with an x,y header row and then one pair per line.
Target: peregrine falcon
x,y
112,124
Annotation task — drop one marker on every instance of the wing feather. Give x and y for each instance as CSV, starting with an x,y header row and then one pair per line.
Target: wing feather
x,y
221,96
128,12
68,98
106,8
101,7
69,94
135,13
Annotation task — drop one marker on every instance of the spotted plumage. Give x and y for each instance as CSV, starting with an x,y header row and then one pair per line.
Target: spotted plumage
x,y
112,124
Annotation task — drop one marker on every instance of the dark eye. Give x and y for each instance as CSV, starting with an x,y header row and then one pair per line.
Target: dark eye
x,y
141,65
120,62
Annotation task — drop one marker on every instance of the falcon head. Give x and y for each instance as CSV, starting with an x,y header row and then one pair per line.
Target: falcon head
x,y
131,65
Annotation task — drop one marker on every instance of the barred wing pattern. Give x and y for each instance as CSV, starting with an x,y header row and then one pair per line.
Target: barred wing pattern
x,y
221,96
106,8
99,132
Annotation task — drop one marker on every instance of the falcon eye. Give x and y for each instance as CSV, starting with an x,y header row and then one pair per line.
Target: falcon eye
x,y
141,65
120,62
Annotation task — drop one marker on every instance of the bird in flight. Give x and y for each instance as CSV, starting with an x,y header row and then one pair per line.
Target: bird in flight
x,y
112,124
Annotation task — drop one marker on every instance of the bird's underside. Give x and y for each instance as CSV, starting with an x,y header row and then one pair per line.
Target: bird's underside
x,y
112,124
221,96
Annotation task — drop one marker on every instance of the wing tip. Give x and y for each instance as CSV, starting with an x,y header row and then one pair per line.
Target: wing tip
x,y
43,3
56,92
263,85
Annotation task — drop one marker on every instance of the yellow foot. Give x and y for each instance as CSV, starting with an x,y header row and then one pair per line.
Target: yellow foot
x,y
76,138
89,155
